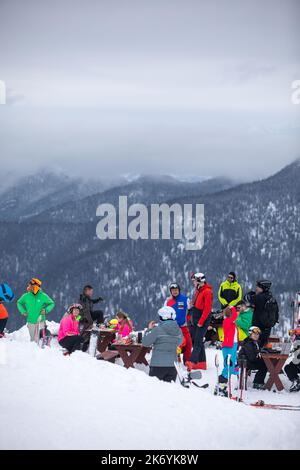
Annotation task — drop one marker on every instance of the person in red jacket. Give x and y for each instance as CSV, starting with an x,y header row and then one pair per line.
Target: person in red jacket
x,y
200,314
230,343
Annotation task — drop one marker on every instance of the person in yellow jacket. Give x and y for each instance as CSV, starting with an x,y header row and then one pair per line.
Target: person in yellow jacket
x,y
230,294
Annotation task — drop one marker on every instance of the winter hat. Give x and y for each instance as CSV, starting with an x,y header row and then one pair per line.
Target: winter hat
x,y
36,283
167,313
264,284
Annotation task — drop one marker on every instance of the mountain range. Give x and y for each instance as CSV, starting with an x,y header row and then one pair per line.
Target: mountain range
x,y
48,230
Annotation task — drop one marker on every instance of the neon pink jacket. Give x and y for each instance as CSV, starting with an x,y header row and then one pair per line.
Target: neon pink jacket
x,y
68,325
123,329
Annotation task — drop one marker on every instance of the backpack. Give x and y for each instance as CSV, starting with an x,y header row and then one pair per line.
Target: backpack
x,y
270,316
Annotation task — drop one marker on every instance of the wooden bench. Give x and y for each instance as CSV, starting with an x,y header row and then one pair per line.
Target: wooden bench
x,y
109,356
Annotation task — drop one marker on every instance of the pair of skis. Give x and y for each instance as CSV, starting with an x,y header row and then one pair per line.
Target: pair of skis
x,y
242,382
189,379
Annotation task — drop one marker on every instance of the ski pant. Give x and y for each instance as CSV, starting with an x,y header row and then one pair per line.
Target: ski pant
x,y
292,371
34,330
187,350
232,351
264,337
3,322
198,354
167,374
71,343
261,368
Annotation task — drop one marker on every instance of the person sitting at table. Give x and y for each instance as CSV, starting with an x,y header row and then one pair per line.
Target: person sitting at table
x,y
124,326
292,369
164,338
250,351
68,334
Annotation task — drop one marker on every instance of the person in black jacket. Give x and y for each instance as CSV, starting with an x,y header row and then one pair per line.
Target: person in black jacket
x,y
258,300
89,315
250,352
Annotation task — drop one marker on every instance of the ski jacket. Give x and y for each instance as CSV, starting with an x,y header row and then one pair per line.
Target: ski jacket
x,y
250,350
88,307
259,302
164,339
230,329
230,293
244,321
3,312
180,305
203,299
123,329
68,327
33,304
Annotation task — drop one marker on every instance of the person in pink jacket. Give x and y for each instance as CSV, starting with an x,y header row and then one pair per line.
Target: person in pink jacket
x,y
124,326
230,343
68,335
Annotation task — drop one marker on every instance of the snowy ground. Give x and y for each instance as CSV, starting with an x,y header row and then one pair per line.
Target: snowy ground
x,y
49,401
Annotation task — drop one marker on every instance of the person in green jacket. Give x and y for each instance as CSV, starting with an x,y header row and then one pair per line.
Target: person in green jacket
x,y
244,320
230,291
35,304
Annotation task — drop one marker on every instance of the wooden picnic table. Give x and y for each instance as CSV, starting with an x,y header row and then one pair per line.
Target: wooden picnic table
x,y
105,337
274,362
132,354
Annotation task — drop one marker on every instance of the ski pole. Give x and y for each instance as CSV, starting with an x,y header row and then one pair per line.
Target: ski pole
x,y
229,375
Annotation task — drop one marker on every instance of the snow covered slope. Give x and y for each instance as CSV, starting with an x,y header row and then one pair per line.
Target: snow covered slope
x,y
49,401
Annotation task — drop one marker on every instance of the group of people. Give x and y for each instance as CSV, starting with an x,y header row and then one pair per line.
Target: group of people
x,y
244,326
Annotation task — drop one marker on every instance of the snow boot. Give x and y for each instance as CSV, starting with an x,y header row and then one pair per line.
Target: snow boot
x,y
257,386
295,387
221,390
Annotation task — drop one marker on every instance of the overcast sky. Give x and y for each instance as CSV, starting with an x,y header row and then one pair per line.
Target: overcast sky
x,y
108,87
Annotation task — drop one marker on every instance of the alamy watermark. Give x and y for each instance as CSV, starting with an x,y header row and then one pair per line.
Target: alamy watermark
x,y
2,92
157,221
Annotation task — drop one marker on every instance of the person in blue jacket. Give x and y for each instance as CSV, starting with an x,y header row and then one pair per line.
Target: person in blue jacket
x,y
180,303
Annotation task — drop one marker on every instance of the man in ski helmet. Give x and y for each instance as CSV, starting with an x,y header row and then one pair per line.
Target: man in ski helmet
x,y
200,314
180,303
164,337
35,305
230,291
265,309
250,351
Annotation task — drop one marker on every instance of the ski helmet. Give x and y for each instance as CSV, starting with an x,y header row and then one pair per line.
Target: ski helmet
x,y
167,313
174,285
198,277
6,293
254,329
70,309
264,284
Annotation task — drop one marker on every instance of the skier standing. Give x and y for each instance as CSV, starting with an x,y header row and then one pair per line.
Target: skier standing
x,y
35,304
164,338
230,343
180,303
244,319
89,315
3,319
200,314
265,314
230,291
250,351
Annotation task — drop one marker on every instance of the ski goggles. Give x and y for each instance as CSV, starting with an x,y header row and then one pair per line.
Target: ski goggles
x,y
174,286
